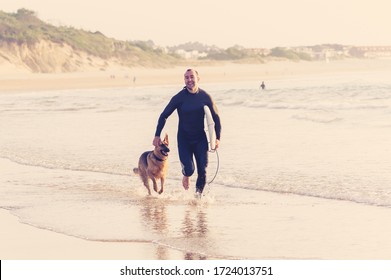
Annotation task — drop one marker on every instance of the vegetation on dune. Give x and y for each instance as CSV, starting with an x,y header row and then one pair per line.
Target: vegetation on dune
x,y
25,28
30,42
290,54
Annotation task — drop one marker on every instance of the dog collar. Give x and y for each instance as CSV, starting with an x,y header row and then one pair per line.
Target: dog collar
x,y
157,158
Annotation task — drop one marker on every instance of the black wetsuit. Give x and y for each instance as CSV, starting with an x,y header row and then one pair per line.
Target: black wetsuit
x,y
192,139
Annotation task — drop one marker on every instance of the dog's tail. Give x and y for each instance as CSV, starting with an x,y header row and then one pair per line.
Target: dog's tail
x,y
135,170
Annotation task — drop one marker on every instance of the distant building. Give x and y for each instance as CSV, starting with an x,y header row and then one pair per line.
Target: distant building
x,y
194,54
372,51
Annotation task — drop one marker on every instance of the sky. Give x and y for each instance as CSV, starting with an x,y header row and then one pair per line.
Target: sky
x,y
224,23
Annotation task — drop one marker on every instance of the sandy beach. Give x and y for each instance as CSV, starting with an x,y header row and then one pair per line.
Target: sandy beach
x,y
291,226
13,79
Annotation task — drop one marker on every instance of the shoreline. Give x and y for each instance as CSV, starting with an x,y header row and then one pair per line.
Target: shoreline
x,y
11,81
319,224
291,227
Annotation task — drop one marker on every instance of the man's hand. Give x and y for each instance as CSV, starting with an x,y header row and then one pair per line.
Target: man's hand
x,y
217,143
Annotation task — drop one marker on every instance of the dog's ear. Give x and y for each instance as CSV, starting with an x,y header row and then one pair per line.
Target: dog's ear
x,y
165,141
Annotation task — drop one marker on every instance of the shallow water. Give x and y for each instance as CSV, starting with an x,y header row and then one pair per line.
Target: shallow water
x,y
67,159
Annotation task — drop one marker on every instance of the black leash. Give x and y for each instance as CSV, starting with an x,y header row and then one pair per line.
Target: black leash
x,y
218,165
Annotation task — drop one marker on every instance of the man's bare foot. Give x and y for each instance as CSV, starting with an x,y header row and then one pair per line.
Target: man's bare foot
x,y
185,182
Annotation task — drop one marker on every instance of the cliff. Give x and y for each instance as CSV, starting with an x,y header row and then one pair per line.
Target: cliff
x,y
32,45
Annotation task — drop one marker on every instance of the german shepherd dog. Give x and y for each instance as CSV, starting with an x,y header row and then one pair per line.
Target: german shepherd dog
x,y
153,165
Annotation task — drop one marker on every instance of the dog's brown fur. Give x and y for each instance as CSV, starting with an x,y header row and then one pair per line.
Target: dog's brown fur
x,y
153,165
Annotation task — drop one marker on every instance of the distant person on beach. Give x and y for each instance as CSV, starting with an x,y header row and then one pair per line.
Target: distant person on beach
x,y
262,86
192,141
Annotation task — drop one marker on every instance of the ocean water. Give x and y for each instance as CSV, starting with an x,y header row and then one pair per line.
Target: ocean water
x,y
67,158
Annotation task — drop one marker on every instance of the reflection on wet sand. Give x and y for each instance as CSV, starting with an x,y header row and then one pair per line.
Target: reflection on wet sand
x,y
193,229
195,225
154,214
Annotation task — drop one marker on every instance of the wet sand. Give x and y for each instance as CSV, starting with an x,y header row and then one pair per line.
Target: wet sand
x,y
284,227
